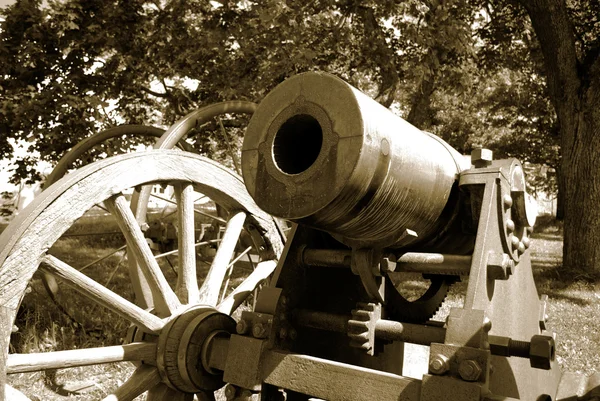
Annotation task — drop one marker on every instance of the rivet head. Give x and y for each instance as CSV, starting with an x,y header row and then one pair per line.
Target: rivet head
x,y
526,242
508,200
510,225
515,241
487,324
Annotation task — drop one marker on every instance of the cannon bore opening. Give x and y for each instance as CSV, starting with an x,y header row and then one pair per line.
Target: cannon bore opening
x,y
297,144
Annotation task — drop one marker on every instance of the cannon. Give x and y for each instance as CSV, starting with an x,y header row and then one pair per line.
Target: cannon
x,y
370,199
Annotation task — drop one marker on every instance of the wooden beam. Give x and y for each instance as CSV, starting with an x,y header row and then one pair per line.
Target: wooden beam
x,y
335,381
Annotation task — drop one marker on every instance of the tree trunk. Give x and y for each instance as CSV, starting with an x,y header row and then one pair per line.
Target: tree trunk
x,y
560,195
580,168
574,88
421,114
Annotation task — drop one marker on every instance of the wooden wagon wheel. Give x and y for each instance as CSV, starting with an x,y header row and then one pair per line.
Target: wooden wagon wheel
x,y
24,246
174,136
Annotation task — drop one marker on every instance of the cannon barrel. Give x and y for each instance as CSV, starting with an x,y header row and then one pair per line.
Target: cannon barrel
x,y
318,151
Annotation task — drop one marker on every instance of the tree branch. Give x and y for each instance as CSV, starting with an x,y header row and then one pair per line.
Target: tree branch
x,y
554,31
157,94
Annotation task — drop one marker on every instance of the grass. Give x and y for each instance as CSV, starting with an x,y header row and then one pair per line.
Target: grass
x,y
74,322
574,308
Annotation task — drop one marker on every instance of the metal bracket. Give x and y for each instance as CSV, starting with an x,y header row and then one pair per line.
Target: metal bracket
x,y
365,262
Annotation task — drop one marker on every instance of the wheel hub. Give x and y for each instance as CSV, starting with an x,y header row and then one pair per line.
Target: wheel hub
x,y
183,349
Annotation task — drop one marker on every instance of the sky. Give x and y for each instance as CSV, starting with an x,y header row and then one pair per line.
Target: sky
x,y
4,3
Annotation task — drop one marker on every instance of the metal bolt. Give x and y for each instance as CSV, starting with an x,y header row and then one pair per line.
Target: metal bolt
x,y
242,327
259,331
469,370
510,225
508,200
521,248
439,365
526,242
481,157
230,391
498,266
541,352
144,227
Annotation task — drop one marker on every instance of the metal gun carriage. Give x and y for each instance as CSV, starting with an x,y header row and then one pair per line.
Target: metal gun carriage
x,y
369,197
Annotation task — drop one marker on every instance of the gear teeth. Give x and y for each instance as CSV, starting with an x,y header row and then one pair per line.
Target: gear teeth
x,y
361,327
359,337
361,315
363,306
421,310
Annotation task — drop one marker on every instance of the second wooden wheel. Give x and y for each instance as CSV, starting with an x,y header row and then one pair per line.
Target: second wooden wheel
x,y
184,306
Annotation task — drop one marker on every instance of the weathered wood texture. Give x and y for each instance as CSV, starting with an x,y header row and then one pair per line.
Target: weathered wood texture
x,y
174,135
24,243
187,283
334,381
209,292
262,272
144,378
165,300
19,363
101,295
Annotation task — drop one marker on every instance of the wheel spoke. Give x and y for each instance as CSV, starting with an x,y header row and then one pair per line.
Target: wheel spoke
x,y
230,270
209,293
187,281
96,292
20,363
163,392
144,378
165,300
262,272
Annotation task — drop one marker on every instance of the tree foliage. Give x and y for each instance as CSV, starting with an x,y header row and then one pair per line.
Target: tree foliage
x,y
468,70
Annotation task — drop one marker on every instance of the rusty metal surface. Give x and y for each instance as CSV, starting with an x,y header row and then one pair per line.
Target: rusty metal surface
x,y
320,152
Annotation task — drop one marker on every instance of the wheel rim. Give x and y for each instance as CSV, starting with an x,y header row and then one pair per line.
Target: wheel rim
x,y
24,247
166,140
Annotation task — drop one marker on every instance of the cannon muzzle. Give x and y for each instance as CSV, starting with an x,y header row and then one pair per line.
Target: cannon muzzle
x,y
320,152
